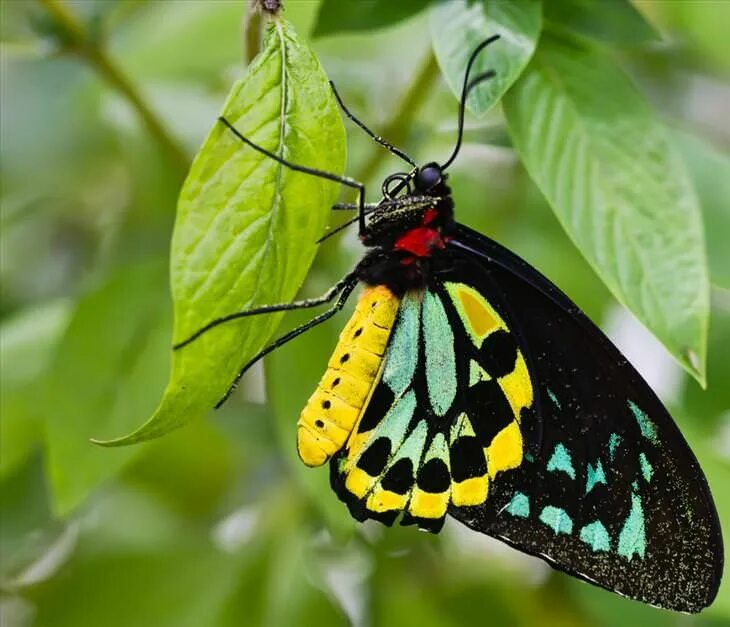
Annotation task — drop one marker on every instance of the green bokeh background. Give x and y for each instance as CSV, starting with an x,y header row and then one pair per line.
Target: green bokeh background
x,y
219,524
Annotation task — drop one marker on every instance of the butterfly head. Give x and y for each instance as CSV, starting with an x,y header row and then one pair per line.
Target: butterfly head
x,y
414,216
428,177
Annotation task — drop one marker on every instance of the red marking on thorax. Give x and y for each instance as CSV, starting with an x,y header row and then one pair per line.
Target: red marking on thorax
x,y
422,240
429,216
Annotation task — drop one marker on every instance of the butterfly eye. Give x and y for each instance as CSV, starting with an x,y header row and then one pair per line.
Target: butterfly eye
x,y
428,176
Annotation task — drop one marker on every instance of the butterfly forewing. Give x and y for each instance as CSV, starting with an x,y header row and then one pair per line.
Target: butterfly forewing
x,y
613,494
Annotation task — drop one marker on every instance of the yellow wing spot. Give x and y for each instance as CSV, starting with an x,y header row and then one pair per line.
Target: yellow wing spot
x,y
480,318
358,482
428,504
385,501
505,451
517,386
472,491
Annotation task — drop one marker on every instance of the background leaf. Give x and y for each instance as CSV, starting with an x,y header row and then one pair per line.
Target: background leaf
x,y
619,188
27,343
710,171
246,226
701,26
458,26
125,324
709,410
618,21
335,16
161,589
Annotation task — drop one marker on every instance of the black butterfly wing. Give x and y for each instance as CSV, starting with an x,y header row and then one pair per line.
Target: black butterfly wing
x,y
612,494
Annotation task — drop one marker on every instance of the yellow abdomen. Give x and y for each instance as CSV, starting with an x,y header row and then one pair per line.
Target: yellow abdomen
x,y
352,372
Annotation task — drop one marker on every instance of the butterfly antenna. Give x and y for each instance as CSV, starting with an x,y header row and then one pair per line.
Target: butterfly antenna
x,y
466,88
387,145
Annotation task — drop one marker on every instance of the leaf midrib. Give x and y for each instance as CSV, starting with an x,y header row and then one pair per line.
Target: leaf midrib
x,y
279,167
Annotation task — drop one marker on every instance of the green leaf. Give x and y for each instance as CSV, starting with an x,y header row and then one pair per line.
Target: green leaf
x,y
108,369
710,170
336,16
246,226
28,340
616,22
167,588
619,188
703,25
281,586
709,407
458,27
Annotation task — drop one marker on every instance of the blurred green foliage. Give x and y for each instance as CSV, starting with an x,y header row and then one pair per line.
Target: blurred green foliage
x,y
219,523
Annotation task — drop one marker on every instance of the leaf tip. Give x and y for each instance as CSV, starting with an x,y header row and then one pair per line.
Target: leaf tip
x,y
124,440
696,366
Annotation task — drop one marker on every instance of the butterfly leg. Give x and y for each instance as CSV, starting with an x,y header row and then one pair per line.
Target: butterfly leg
x,y
349,284
344,180
297,304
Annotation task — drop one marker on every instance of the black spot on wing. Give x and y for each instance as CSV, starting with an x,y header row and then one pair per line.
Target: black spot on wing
x,y
378,406
488,410
467,459
399,478
434,476
531,429
375,456
498,354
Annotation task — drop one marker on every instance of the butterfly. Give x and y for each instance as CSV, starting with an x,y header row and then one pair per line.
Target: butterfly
x,y
467,384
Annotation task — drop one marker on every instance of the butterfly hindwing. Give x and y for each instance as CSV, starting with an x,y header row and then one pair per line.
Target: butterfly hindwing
x,y
452,410
613,494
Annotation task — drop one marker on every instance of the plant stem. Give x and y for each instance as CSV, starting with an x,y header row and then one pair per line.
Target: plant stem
x,y
396,129
78,41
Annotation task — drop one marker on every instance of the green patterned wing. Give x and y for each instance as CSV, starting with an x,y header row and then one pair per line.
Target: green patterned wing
x,y
452,410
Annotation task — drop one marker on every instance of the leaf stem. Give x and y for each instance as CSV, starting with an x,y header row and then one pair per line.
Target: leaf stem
x,y
395,129
252,25
78,40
